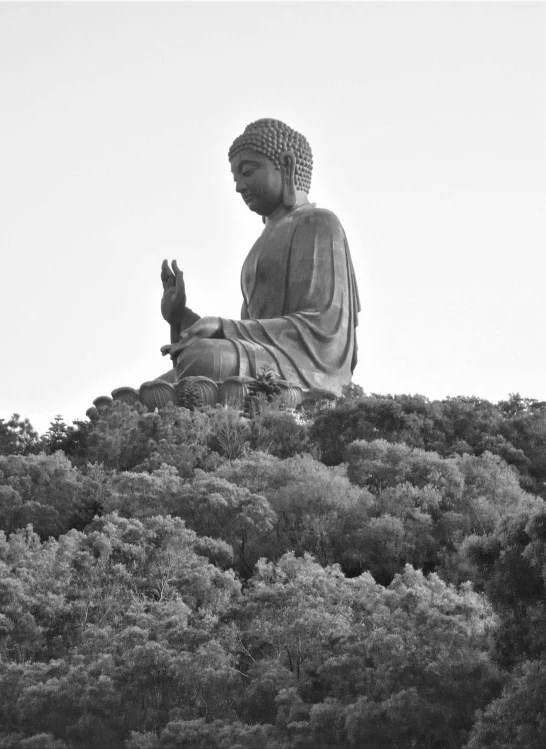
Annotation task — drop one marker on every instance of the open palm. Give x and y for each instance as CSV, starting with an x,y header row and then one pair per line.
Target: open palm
x,y
173,302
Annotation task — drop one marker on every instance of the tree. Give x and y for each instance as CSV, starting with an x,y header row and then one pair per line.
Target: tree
x,y
517,719
47,491
514,429
404,666
211,506
110,631
315,506
56,436
509,564
425,506
278,433
229,433
18,437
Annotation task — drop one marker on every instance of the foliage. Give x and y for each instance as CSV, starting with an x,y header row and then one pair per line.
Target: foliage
x,y
514,429
517,720
17,436
262,389
425,506
193,578
317,400
188,395
108,631
229,432
352,660
510,565
57,435
273,429
314,506
127,438
211,506
46,491
278,433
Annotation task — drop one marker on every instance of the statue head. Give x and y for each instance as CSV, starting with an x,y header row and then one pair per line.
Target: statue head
x,y
270,161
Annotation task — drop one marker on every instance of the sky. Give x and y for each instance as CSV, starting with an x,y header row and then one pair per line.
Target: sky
x,y
428,129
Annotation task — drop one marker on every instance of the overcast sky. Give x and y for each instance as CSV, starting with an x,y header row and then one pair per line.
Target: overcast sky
x,y
427,123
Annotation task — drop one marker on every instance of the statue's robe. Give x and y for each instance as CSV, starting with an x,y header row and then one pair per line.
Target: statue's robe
x,y
300,307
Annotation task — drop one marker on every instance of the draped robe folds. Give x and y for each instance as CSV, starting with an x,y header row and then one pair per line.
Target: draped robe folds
x,y
300,305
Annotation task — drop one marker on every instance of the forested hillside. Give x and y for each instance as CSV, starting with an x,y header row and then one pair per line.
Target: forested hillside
x,y
365,576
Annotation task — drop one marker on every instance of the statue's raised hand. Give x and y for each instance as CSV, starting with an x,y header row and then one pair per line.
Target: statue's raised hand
x,y
173,302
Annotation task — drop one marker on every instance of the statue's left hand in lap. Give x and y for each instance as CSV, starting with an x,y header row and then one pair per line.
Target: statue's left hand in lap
x,y
205,327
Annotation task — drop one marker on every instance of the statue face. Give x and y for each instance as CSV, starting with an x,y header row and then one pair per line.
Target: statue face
x,y
258,181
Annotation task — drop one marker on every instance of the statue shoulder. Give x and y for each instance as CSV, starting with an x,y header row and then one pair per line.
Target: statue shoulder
x,y
321,219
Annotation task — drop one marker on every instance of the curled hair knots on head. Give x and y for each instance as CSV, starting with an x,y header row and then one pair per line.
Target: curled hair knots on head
x,y
270,138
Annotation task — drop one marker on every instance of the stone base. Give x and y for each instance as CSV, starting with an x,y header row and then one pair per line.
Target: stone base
x,y
194,392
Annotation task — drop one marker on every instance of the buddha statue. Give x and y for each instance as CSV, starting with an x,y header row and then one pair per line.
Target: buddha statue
x,y
300,299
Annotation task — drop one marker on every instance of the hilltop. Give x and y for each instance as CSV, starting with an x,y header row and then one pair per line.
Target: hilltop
x,y
369,574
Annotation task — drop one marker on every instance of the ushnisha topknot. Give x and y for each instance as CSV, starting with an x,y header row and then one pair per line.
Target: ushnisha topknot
x,y
271,138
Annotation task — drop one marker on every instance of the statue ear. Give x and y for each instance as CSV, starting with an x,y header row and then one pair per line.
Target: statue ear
x,y
288,172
